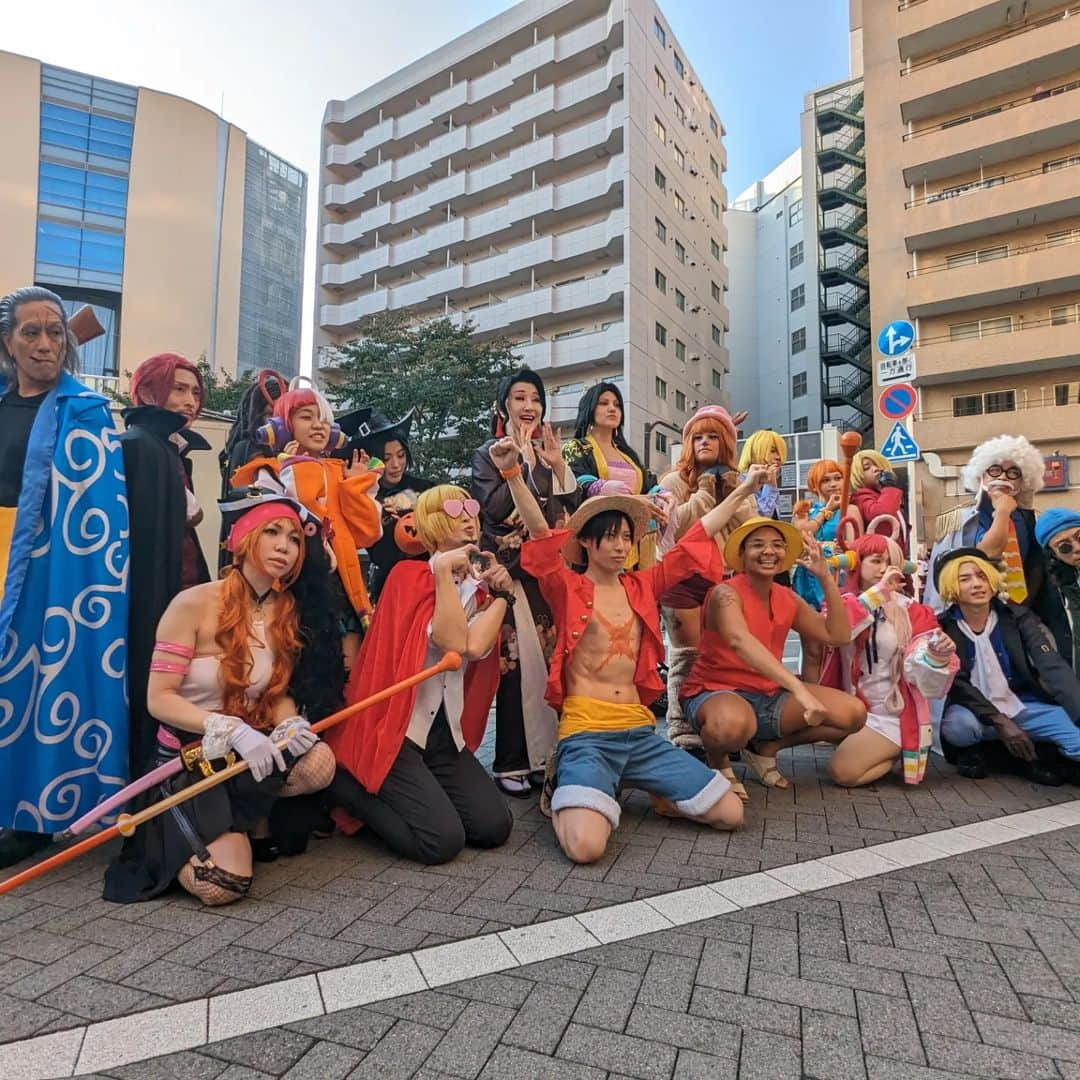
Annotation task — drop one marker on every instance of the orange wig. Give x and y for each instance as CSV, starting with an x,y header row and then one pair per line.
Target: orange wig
x,y
817,472
687,466
235,631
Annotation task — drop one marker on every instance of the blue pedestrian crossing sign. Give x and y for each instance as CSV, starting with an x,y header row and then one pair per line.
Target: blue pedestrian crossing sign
x,y
896,338
900,446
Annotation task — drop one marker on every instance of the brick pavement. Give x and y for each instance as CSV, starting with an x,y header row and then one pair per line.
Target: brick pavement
x,y
965,967
66,956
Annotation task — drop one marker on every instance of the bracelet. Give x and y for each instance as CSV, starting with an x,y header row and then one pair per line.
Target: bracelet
x,y
502,594
509,474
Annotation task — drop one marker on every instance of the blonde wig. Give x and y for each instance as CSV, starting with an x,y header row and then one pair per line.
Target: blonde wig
x,y
756,449
433,523
949,579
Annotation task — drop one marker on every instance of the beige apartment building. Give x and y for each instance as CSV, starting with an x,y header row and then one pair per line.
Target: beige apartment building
x,y
972,111
555,176
184,234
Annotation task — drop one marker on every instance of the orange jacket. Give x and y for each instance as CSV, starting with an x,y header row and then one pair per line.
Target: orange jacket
x,y
354,516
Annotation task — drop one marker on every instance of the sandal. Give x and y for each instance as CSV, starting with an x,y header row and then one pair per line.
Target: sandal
x,y
517,787
547,789
722,764
664,807
765,770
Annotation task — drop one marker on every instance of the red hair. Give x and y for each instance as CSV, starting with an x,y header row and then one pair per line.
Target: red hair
x,y
872,544
687,466
818,471
235,631
156,376
295,399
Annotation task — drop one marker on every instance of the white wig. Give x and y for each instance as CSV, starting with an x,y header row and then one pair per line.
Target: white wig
x,y
1002,448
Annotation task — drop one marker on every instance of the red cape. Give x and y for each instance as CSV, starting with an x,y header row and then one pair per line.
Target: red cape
x,y
394,648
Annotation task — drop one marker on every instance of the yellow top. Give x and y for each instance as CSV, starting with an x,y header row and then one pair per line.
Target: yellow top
x,y
589,714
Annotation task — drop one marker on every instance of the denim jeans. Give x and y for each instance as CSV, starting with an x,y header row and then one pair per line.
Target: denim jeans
x,y
1042,722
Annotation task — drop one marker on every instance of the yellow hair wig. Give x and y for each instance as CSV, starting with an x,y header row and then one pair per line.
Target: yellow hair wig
x,y
949,579
858,463
756,449
433,523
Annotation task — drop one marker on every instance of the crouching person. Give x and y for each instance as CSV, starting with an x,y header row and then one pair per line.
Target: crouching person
x,y
739,695
603,672
406,768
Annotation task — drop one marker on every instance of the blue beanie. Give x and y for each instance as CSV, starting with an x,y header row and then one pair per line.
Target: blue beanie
x,y
1051,522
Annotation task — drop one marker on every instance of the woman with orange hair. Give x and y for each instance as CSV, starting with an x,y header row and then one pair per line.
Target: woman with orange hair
x,y
704,475
221,668
818,520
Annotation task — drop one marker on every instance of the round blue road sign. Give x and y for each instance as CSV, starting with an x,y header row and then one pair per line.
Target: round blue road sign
x,y
896,338
896,402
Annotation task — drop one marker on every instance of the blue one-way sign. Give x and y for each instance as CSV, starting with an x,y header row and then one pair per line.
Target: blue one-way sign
x,y
900,446
896,338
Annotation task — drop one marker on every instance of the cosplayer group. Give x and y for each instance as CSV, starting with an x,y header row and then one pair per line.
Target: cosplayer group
x,y
562,575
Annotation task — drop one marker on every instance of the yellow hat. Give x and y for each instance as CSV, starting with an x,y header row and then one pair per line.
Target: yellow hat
x,y
733,545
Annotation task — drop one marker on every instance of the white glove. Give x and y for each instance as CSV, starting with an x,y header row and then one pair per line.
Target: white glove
x,y
298,733
193,507
257,749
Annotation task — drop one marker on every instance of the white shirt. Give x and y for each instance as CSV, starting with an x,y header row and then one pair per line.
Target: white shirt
x,y
446,689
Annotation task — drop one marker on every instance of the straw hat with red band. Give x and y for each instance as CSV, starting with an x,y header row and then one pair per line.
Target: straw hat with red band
x,y
632,506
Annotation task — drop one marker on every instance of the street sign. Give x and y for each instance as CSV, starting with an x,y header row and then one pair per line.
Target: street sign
x,y
900,446
896,338
896,402
896,369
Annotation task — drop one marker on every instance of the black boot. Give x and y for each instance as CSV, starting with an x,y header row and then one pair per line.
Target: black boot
x,y
16,845
971,762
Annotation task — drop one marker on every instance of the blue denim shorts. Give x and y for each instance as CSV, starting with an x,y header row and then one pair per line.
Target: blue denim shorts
x,y
767,709
592,765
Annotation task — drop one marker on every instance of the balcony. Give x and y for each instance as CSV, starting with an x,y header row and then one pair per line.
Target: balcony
x,y
925,28
939,430
600,348
1015,129
1046,49
1037,345
1036,269
996,205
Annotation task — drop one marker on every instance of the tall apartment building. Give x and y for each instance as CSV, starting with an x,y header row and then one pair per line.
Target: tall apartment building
x,y
184,235
775,366
555,176
973,166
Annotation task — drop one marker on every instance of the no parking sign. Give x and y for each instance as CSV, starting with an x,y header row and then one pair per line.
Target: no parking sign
x,y
896,402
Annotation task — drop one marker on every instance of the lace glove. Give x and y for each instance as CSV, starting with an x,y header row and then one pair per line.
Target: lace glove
x,y
298,733
215,740
257,749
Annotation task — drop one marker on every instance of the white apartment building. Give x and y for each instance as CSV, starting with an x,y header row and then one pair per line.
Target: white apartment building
x,y
556,176
775,364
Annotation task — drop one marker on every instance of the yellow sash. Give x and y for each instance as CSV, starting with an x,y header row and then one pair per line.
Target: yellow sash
x,y
7,530
1015,581
588,714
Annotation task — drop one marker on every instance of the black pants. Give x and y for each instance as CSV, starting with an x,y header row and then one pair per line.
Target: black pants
x,y
432,803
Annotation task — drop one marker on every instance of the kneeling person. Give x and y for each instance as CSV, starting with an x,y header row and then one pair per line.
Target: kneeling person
x,y
739,695
603,673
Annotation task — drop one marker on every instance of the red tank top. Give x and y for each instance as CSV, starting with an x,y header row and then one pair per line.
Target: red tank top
x,y
718,668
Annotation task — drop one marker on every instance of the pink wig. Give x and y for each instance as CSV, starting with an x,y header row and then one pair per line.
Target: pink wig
x,y
153,380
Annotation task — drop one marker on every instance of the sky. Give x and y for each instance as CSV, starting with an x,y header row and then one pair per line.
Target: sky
x,y
270,66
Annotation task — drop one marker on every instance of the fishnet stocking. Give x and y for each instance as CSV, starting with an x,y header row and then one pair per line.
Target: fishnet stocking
x,y
312,772
213,885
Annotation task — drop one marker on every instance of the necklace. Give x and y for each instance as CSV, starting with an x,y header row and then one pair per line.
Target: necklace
x,y
256,599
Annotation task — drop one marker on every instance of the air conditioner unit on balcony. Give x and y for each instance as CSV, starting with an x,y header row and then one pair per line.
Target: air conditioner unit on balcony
x,y
694,359
696,308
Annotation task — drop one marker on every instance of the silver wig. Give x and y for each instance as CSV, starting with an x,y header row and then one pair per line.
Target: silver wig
x,y
1002,448
9,306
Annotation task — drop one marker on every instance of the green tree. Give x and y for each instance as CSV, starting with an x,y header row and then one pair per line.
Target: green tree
x,y
438,368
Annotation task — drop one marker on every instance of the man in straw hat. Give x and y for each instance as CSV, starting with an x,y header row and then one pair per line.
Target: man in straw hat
x,y
603,672
739,695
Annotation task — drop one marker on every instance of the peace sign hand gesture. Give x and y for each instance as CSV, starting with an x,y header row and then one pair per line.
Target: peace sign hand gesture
x,y
549,450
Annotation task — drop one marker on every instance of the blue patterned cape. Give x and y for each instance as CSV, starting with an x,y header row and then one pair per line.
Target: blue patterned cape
x,y
63,619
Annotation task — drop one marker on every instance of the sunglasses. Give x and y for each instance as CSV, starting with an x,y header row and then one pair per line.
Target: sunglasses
x,y
1011,473
1067,547
456,507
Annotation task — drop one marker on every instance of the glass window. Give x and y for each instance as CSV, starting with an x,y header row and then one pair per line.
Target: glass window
x,y
658,30
798,384
660,332
680,300
661,388
1063,236
82,190
1000,401
661,82
794,216
661,281
714,127
967,405
798,297
680,67
680,350
717,335
798,340
680,204
714,166
680,157
661,131
714,208
1061,394
1064,313
85,133
680,401
801,423
963,331
717,380
1061,163
714,249
661,231
1001,325
659,179
680,112
715,291
680,252
661,443
795,255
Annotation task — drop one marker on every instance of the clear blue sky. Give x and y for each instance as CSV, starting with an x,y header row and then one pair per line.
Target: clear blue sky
x,y
271,65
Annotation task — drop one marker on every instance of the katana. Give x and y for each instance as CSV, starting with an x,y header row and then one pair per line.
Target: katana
x,y
127,823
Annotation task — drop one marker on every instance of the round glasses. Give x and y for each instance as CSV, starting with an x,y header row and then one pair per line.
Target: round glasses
x,y
1011,473
1068,547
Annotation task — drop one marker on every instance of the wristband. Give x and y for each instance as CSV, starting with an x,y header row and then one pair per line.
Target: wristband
x,y
509,474
502,594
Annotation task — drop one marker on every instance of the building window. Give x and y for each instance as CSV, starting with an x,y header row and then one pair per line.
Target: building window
x,y
661,388
1061,163
798,340
658,30
798,385
717,335
680,112
67,254
680,157
967,405
1064,313
680,67
680,350
794,214
659,179
716,294
801,424
83,190
1061,394
965,331
680,252
658,127
661,334
661,281
795,255
714,167
714,127
798,297
1000,401
1063,236
714,208
661,82
80,136
680,204
661,443
717,380
680,300
981,255
661,231
714,249
680,401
